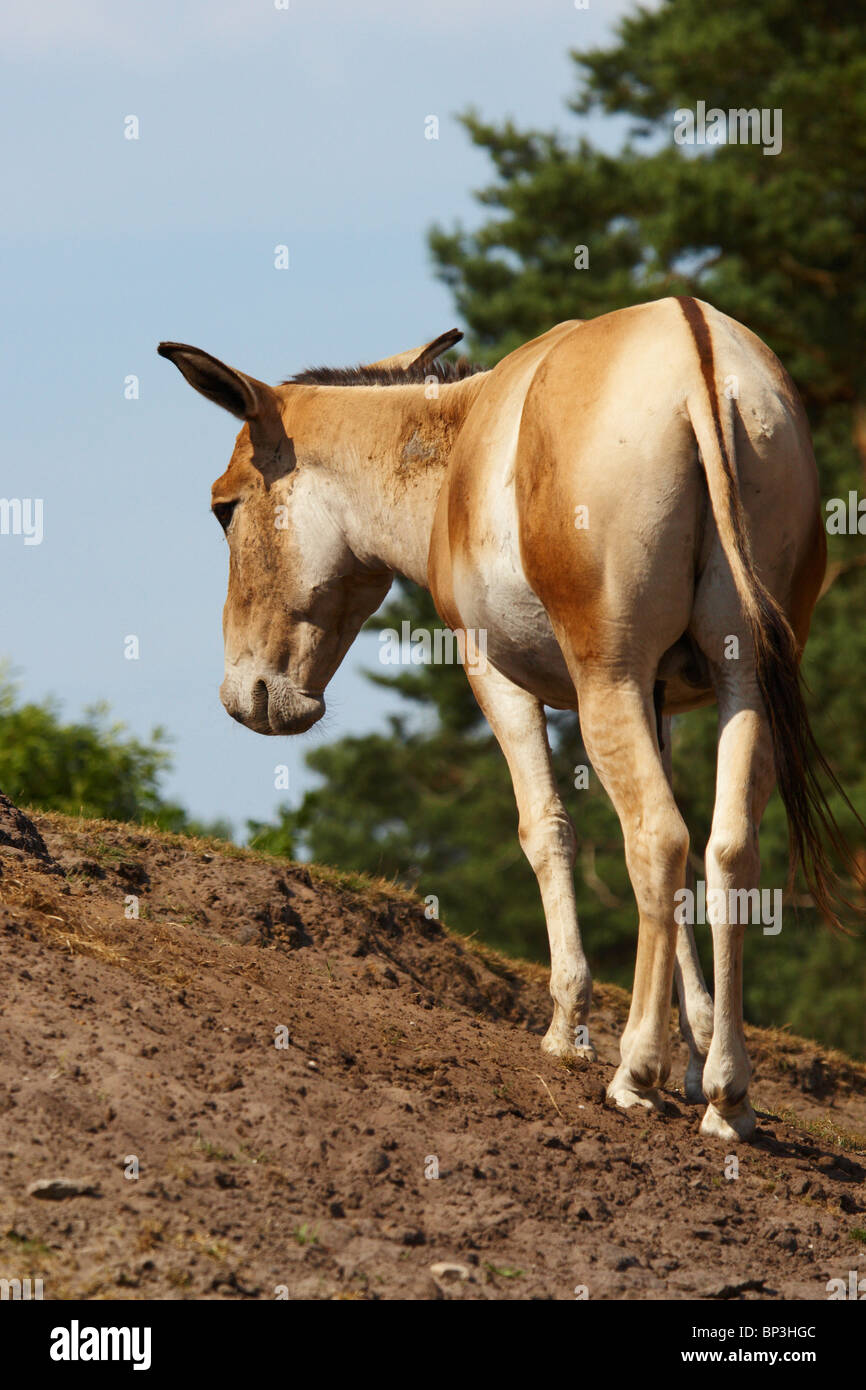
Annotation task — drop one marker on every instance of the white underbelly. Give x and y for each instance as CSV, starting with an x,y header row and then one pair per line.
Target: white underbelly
x,y
495,599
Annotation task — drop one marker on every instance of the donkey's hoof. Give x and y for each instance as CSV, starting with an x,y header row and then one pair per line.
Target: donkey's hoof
x,y
625,1091
735,1127
558,1045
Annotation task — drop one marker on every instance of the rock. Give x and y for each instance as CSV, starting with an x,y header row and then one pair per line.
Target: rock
x,y
18,832
133,874
58,1189
227,1081
413,1235
554,1138
87,868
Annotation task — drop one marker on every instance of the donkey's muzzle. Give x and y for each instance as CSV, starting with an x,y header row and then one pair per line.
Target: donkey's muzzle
x,y
271,705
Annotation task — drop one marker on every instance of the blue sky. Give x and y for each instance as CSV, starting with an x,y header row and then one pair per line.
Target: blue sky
x,y
258,127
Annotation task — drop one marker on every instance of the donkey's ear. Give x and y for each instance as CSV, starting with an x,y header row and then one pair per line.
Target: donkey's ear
x,y
420,356
241,395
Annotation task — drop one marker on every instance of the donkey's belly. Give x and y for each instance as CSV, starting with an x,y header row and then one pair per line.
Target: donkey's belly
x,y
520,641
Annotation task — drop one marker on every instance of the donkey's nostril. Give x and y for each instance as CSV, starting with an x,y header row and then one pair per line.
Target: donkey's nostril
x,y
260,699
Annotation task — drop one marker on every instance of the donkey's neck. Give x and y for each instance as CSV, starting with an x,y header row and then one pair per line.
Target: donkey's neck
x,y
395,446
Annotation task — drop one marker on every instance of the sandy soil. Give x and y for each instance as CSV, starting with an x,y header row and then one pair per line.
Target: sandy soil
x,y
308,1170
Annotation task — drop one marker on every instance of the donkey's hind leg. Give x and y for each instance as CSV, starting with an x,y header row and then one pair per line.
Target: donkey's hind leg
x,y
744,781
618,723
696,1011
695,1000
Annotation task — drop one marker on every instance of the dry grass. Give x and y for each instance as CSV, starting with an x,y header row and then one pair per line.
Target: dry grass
x,y
825,1130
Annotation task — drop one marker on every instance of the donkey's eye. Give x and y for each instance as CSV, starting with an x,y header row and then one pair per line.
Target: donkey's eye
x,y
224,511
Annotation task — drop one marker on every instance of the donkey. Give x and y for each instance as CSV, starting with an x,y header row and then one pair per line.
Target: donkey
x,y
628,508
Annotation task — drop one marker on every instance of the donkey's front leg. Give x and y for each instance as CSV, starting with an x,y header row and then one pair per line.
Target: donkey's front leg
x,y
547,837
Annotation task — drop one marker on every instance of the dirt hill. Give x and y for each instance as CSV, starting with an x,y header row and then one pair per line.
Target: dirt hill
x,y
307,1169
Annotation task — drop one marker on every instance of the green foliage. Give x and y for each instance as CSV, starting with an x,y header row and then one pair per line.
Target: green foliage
x,y
92,768
778,242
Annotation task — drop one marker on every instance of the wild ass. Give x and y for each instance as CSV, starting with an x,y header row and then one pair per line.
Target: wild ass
x,y
629,508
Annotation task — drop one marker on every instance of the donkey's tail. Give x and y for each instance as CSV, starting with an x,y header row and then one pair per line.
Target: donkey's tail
x,y
798,759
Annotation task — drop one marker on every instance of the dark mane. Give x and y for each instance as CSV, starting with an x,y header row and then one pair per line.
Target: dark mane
x,y
384,376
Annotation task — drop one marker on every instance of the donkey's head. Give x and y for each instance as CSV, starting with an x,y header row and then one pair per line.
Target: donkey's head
x,y
298,593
